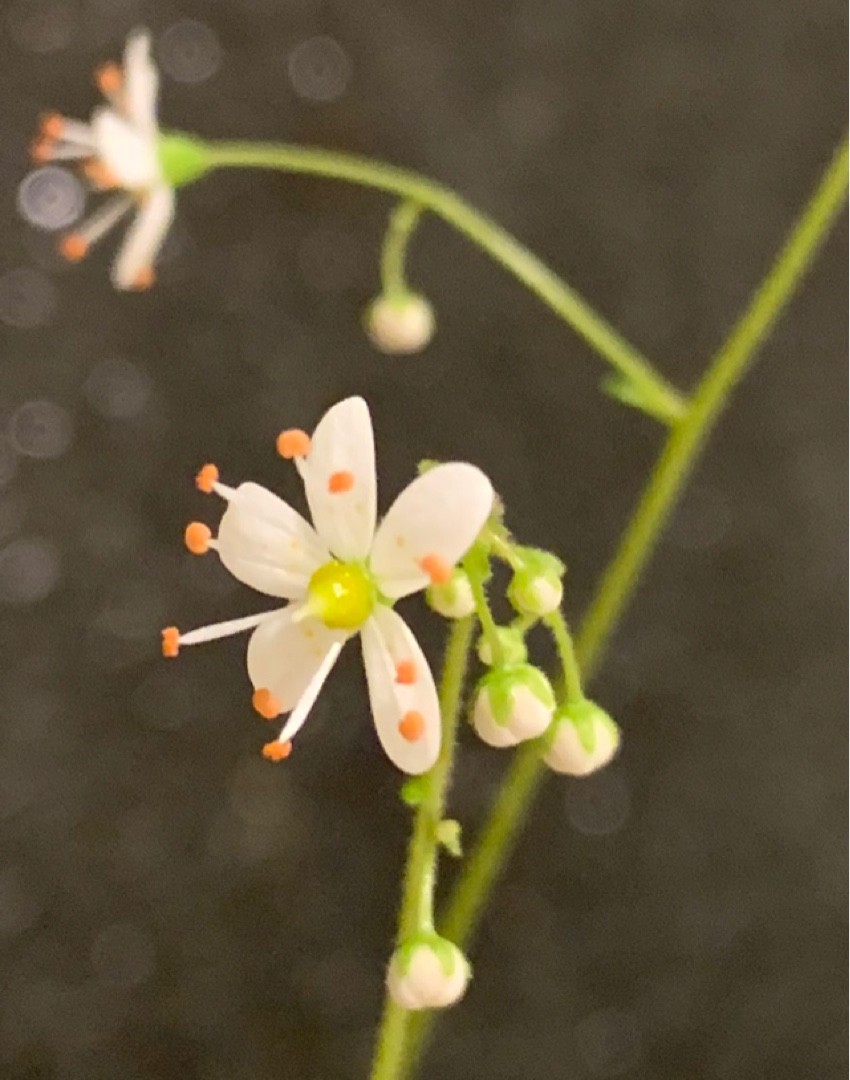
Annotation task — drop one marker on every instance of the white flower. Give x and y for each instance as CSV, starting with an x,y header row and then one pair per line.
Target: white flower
x,y
512,704
400,325
120,147
428,972
341,578
585,739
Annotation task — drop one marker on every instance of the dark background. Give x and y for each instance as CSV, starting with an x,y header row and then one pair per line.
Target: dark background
x,y
171,905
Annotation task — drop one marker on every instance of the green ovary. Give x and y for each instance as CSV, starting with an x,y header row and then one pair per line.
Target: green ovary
x,y
341,595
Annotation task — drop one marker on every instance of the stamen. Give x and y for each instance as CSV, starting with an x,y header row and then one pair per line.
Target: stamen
x,y
225,629
74,247
340,482
277,750
100,175
293,443
412,726
109,79
55,126
45,149
437,569
52,125
266,704
42,150
198,537
170,642
206,479
405,672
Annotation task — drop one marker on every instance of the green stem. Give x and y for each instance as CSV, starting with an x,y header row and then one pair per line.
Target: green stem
x,y
417,903
402,224
485,616
655,395
570,669
618,583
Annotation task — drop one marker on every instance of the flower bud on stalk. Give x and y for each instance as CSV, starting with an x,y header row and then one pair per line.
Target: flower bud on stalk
x,y
512,704
400,324
453,600
536,588
427,972
585,739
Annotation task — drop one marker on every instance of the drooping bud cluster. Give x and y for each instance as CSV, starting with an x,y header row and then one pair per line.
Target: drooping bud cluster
x,y
585,739
427,972
512,704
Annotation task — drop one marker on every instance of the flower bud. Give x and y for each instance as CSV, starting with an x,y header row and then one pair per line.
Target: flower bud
x,y
585,739
454,599
400,324
427,972
512,704
536,588
513,647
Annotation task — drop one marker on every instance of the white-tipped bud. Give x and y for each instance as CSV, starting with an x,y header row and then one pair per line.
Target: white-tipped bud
x,y
536,588
400,324
427,972
512,704
512,643
585,739
453,600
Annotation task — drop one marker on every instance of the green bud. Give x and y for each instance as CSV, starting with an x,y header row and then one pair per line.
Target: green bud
x,y
182,158
427,972
414,790
401,324
584,739
536,587
453,600
512,704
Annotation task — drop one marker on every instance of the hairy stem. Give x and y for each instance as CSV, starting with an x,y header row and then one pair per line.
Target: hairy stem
x,y
665,484
400,229
417,902
652,392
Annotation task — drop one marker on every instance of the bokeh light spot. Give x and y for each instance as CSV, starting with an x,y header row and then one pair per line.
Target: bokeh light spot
x,y
27,299
319,69
189,51
51,198
40,429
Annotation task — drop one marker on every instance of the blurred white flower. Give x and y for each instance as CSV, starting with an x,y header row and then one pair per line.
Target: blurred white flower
x,y
342,577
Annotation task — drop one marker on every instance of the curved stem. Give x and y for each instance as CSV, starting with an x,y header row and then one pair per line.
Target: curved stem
x,y
618,583
402,225
417,904
570,669
652,392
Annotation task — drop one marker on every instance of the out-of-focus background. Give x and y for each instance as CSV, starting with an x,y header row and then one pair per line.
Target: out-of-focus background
x,y
173,906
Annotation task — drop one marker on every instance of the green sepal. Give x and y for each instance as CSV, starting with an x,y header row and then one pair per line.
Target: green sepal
x,y
446,952
584,716
500,683
513,646
448,836
183,158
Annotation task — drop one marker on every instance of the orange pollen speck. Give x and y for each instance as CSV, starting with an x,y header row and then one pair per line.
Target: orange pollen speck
x,y
109,78
52,125
73,247
266,704
41,151
170,641
293,443
340,482
405,672
437,569
277,751
197,537
206,478
144,279
412,726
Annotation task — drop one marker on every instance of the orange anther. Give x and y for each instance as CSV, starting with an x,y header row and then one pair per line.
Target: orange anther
x,y
277,751
206,479
109,79
412,726
405,672
52,125
74,247
144,279
340,482
100,174
170,641
293,443
197,537
437,569
41,151
266,705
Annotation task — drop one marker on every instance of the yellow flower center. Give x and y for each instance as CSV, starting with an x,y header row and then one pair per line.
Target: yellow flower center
x,y
341,595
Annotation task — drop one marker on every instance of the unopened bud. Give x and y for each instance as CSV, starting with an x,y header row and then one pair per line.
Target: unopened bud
x,y
512,643
427,972
400,324
512,704
585,739
536,588
453,600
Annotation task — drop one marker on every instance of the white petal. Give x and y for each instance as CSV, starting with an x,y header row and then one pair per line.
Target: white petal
x,y
131,157
141,81
343,443
144,237
285,654
268,545
440,513
387,641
